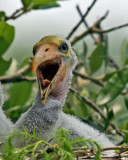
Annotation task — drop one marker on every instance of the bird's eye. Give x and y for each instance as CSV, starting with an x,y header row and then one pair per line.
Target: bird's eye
x,y
34,51
63,47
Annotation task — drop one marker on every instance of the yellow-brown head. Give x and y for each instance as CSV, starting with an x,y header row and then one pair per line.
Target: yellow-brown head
x,y
53,57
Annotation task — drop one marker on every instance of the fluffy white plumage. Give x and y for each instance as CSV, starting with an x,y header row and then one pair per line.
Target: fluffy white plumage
x,y
5,123
82,129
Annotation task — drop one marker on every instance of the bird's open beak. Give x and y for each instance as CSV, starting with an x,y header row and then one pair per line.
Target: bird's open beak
x,y
50,69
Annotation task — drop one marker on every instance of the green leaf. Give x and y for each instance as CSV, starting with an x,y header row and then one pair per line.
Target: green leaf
x,y
96,58
6,36
110,117
126,100
122,119
39,4
108,76
45,4
2,14
81,110
20,93
106,52
24,62
27,3
85,49
124,54
85,58
114,86
46,156
4,65
98,155
8,149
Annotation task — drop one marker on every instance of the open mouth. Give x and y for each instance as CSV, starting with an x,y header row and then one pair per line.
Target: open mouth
x,y
49,74
47,71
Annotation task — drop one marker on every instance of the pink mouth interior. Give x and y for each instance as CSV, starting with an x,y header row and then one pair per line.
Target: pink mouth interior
x,y
46,82
48,70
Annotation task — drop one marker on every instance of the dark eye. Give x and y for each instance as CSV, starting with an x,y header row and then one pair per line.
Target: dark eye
x,y
63,47
34,51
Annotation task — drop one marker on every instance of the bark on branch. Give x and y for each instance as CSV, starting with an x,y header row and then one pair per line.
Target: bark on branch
x,y
94,29
16,77
16,14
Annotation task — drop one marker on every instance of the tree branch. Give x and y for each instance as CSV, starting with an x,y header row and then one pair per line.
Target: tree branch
x,y
94,29
115,148
16,77
83,76
78,24
16,14
97,30
80,36
89,30
96,40
10,79
90,103
104,157
95,107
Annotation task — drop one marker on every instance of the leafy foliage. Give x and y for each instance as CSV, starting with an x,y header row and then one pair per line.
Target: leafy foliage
x,y
39,4
34,144
2,14
96,58
6,36
124,55
114,86
23,89
4,65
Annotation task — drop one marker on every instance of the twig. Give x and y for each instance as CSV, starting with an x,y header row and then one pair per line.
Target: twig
x,y
95,107
90,103
78,24
106,157
83,76
81,15
16,77
96,30
97,23
16,14
80,36
97,41
112,63
10,79
83,154
115,148
105,148
93,29
89,30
